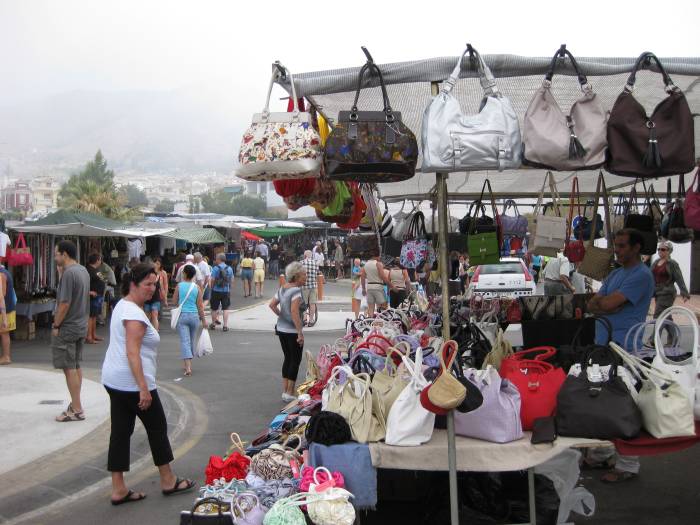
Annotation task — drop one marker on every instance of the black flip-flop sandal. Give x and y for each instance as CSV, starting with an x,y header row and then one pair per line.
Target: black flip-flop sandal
x,y
128,498
177,489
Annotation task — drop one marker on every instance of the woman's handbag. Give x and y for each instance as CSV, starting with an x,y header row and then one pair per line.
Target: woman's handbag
x,y
175,312
248,509
416,247
619,210
408,423
389,382
574,249
650,146
483,241
516,225
371,146
20,255
537,381
446,392
387,226
332,505
557,141
653,206
280,145
199,515
498,418
363,245
276,462
644,224
568,355
550,231
453,141
691,206
678,231
286,511
598,262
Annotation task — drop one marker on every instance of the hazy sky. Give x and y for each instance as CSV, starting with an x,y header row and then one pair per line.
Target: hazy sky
x,y
54,46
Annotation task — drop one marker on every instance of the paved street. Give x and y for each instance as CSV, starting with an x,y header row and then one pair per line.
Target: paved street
x,y
237,389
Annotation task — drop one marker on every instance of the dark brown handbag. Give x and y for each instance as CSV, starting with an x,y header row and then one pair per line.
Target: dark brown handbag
x,y
371,146
363,245
650,146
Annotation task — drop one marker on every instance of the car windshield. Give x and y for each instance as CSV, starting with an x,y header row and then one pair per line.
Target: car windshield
x,y
490,269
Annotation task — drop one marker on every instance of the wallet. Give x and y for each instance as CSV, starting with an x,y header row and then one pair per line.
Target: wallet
x,y
543,430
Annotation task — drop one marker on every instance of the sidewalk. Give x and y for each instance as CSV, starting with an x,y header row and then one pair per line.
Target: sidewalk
x,y
31,399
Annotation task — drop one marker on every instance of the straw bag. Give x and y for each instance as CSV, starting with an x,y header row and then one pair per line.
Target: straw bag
x,y
550,231
598,262
280,145
446,392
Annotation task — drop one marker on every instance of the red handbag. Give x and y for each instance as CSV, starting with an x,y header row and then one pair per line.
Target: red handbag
x,y
692,204
20,255
537,381
574,250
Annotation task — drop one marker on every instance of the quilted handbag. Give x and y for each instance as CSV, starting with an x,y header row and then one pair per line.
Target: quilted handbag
x,y
574,249
557,141
20,255
453,141
537,381
280,145
598,262
371,146
513,225
549,230
416,248
691,206
641,145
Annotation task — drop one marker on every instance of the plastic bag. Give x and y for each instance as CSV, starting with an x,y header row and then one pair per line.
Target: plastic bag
x,y
204,346
564,472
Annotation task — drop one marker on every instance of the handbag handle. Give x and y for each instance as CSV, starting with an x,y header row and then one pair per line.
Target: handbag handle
x,y
246,496
601,187
488,82
547,352
280,72
575,192
208,501
645,59
447,355
658,345
371,66
510,203
604,321
562,52
321,469
487,184
548,177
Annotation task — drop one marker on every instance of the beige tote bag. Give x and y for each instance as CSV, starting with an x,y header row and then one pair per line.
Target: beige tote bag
x,y
549,230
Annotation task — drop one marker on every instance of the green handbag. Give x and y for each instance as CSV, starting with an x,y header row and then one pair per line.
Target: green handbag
x,y
483,248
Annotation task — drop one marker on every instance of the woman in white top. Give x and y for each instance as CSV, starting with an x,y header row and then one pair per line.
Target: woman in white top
x,y
129,375
259,274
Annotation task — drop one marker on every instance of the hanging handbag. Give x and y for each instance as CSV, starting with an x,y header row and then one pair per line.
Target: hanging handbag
x,y
516,225
280,145
557,141
691,206
371,146
582,225
498,418
549,230
453,141
408,423
401,223
619,209
537,381
387,226
650,146
598,262
483,235
644,224
574,249
653,206
416,247
678,232
20,255
363,245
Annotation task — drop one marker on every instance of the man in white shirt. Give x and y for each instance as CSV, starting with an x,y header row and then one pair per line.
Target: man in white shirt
x,y
205,273
318,254
189,261
556,276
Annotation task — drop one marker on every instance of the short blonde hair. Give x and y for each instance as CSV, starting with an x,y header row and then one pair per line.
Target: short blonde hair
x,y
292,271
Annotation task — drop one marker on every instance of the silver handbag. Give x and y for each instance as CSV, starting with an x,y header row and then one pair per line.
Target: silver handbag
x,y
557,141
489,140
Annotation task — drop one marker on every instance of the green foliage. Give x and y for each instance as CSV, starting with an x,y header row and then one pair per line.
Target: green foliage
x,y
135,197
225,203
165,206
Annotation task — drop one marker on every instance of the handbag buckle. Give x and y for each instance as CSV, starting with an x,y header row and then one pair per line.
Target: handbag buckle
x,y
533,385
594,391
352,129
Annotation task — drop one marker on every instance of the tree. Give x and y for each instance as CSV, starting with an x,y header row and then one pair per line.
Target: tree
x,y
225,203
165,206
135,197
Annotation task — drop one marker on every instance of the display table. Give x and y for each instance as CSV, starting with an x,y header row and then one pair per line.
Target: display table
x,y
31,309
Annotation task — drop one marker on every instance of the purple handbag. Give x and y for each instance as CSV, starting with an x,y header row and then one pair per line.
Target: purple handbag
x,y
513,225
498,418
248,509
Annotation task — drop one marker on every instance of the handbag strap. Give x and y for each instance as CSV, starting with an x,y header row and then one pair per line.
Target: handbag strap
x,y
575,193
280,72
371,66
488,82
510,203
546,353
681,187
645,59
674,310
555,193
447,355
562,52
601,190
487,184
603,320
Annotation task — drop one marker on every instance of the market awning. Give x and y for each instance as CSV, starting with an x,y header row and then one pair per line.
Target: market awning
x,y
269,233
197,235
250,236
79,224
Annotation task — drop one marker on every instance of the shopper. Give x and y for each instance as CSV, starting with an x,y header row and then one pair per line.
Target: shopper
x,y
203,275
667,274
259,275
107,273
556,276
97,295
189,261
464,272
623,300
288,304
155,304
129,376
373,278
188,295
274,266
339,258
8,314
264,250
400,284
70,325
220,281
309,289
247,274
355,271
536,266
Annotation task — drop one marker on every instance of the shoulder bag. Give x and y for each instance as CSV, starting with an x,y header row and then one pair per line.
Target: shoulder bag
x,y
653,206
691,206
678,231
598,262
573,248
483,238
175,312
550,231
568,355
20,255
662,143
453,141
416,247
557,141
371,146
248,509
280,145
515,225
642,223
619,210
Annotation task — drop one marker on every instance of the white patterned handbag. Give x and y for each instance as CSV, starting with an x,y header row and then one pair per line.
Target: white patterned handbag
x,y
280,145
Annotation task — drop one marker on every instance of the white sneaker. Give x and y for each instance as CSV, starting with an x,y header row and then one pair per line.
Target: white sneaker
x,y
287,398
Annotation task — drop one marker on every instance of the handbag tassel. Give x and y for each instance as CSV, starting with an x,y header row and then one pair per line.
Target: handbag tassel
x,y
576,149
652,159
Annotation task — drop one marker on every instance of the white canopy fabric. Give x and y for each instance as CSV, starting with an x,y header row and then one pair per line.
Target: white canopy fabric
x,y
85,230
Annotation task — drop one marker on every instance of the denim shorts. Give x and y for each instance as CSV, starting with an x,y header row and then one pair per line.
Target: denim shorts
x,y
152,307
96,306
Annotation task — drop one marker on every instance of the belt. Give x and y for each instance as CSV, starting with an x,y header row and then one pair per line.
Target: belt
x,y
376,283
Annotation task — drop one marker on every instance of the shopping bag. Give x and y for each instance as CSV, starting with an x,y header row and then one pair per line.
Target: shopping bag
x,y
20,255
204,346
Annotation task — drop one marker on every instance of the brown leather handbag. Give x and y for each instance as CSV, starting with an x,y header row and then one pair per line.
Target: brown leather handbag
x,y
650,146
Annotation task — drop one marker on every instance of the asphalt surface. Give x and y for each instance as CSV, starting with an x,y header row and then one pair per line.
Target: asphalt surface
x,y
237,389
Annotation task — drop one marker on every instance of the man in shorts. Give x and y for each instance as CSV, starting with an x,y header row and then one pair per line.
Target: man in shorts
x,y
309,290
70,324
203,276
220,282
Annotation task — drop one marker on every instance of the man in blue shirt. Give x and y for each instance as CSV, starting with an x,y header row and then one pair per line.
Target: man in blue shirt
x,y
220,280
624,300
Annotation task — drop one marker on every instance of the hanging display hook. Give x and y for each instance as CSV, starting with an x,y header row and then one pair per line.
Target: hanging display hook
x,y
281,69
370,60
562,51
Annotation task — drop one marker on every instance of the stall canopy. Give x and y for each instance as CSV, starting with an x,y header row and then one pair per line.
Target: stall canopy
x,y
409,90
197,235
250,236
82,224
269,233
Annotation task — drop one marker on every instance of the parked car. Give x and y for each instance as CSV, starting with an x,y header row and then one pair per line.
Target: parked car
x,y
510,276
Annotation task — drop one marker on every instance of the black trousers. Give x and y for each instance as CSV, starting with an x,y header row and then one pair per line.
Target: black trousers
x,y
124,410
292,355
396,297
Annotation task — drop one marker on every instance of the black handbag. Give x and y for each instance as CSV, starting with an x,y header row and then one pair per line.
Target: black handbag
x,y
677,231
597,410
363,245
644,224
194,518
582,225
568,355
391,246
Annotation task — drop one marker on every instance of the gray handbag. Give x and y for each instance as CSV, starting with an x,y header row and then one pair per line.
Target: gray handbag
x,y
489,140
557,141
